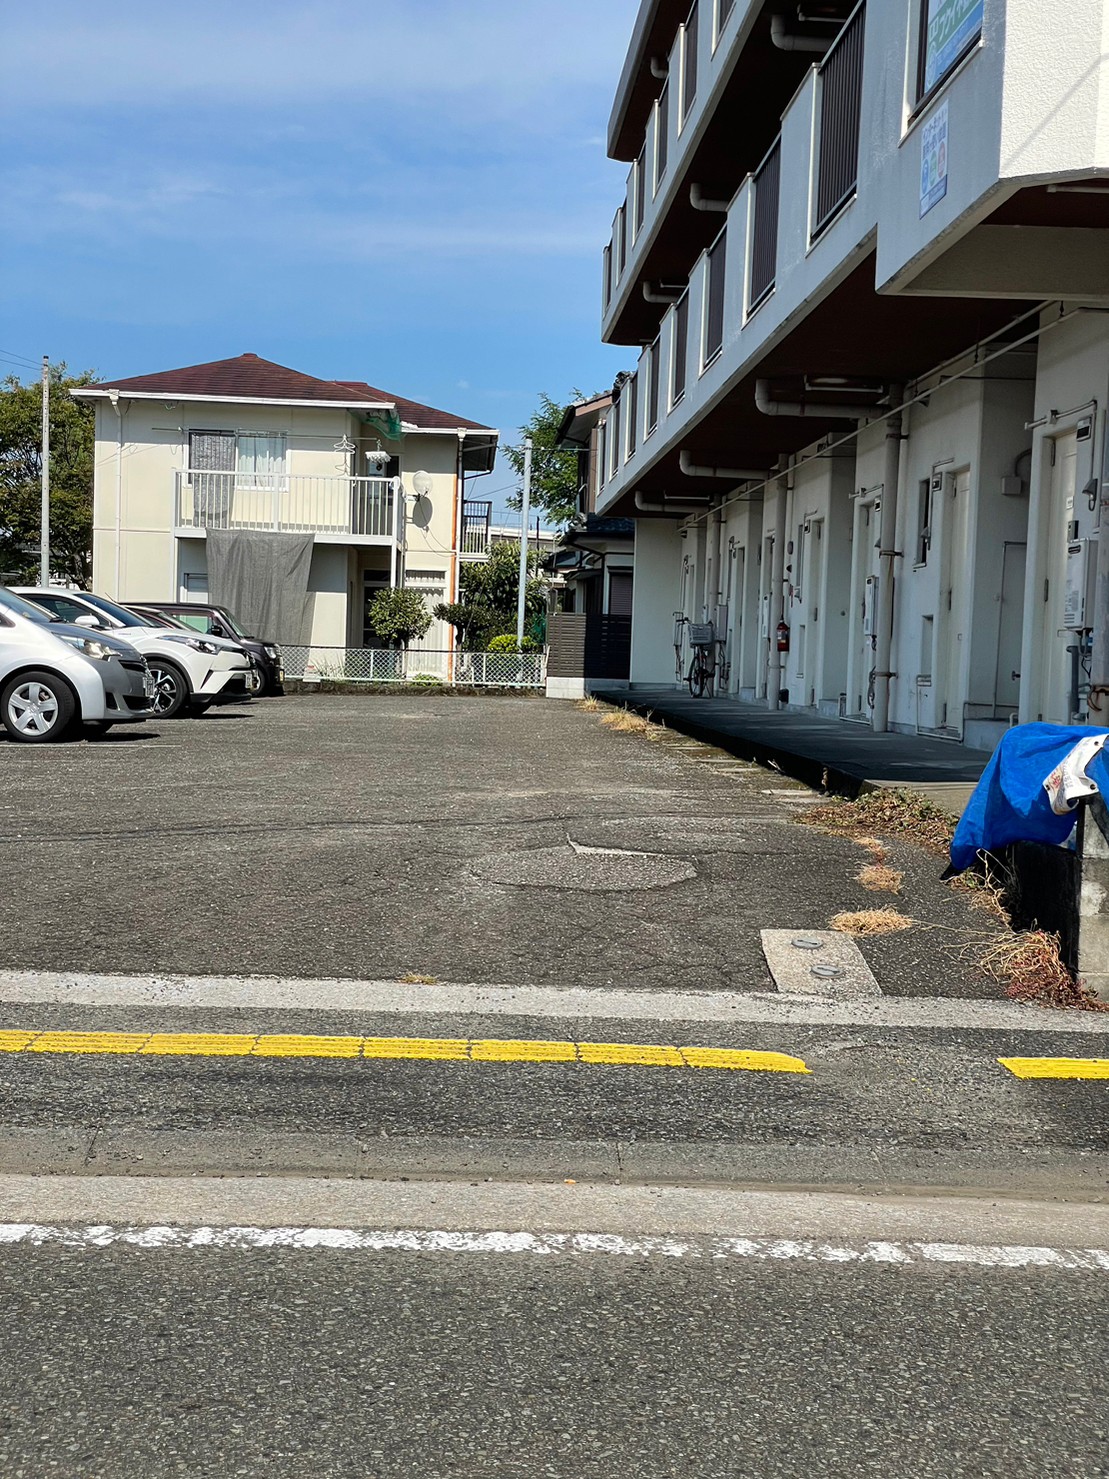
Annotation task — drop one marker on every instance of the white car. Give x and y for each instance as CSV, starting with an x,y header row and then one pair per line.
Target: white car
x,y
190,671
53,676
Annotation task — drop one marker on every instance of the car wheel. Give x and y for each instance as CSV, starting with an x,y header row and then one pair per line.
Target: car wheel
x,y
37,707
256,681
171,688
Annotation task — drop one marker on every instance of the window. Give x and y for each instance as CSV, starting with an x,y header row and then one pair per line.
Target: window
x,y
662,133
260,459
948,30
714,298
652,386
923,520
200,621
640,191
681,338
689,62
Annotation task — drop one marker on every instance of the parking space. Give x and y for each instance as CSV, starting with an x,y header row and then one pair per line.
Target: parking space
x,y
497,840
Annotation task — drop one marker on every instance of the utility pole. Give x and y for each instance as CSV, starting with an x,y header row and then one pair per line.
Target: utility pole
x,y
44,554
521,602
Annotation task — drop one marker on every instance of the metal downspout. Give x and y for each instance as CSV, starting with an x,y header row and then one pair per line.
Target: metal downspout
x,y
887,554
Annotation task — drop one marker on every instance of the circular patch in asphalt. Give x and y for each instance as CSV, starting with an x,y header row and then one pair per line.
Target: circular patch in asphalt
x,y
562,867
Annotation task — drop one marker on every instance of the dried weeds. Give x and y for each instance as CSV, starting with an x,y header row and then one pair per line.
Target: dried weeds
x,y
590,705
890,813
880,878
1030,968
413,978
866,922
625,721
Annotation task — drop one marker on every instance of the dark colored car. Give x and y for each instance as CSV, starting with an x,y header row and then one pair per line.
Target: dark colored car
x,y
217,621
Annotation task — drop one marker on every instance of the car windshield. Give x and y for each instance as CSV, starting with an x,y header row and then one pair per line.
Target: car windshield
x,y
233,626
160,619
11,602
120,613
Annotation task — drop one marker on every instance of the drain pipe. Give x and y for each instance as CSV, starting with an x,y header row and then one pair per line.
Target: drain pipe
x,y
660,67
786,40
113,396
776,661
735,474
825,410
676,508
663,292
887,554
702,202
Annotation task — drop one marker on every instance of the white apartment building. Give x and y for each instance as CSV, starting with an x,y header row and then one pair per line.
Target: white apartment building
x,y
241,451
864,258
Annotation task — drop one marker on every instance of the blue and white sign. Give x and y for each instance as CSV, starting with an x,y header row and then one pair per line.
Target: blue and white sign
x,y
933,159
952,25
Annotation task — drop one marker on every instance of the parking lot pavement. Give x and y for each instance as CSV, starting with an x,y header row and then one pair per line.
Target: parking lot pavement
x,y
500,840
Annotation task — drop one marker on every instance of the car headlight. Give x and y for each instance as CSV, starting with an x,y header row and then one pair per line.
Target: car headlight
x,y
271,651
200,645
90,647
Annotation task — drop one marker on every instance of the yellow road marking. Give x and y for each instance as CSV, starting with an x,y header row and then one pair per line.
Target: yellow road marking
x,y
1057,1067
463,1050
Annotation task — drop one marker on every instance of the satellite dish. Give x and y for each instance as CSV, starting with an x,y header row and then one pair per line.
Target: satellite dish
x,y
421,483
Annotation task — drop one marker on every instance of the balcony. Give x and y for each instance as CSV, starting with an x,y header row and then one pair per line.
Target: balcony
x,y
710,122
337,510
477,515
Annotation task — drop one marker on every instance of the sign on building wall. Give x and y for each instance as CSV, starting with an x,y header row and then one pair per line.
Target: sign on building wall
x,y
933,159
951,26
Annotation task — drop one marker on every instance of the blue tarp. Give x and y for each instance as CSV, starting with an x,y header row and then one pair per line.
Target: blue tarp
x,y
1009,804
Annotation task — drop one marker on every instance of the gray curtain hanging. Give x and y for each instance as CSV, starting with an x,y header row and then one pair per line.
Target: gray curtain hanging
x,y
262,578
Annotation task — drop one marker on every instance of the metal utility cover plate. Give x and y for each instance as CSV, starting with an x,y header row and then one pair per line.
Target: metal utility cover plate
x,y
792,965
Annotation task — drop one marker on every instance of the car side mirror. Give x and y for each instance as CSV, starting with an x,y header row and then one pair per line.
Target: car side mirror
x,y
88,621
216,630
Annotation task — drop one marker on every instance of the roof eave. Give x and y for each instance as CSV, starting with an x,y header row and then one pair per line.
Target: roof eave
x,y
86,392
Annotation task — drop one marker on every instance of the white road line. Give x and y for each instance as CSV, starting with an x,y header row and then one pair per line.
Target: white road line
x,y
545,1244
462,999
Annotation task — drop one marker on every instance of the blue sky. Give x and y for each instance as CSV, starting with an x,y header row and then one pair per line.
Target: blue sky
x,y
409,192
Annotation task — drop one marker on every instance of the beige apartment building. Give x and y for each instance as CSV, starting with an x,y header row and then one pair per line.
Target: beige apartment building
x,y
203,474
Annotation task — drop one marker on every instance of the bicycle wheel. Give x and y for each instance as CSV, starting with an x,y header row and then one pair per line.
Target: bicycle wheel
x,y
697,675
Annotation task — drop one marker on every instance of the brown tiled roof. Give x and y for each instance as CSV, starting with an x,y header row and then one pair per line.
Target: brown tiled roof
x,y
246,376
413,412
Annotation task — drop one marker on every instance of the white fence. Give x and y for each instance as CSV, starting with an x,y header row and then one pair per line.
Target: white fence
x,y
417,665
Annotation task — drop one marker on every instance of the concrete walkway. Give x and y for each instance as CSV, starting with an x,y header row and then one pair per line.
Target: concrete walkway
x,y
843,755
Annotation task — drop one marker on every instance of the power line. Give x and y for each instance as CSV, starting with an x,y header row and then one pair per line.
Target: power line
x,y
13,358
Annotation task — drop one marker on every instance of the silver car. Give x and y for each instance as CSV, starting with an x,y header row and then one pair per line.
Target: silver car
x,y
54,675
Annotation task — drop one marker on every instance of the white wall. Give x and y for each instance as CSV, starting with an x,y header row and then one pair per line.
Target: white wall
x,y
655,598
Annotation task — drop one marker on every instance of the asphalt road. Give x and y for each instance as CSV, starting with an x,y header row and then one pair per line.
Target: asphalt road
x,y
125,1362
370,837
224,1252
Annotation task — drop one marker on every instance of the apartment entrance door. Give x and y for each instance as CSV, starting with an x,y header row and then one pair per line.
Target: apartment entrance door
x,y
953,640
1055,682
864,605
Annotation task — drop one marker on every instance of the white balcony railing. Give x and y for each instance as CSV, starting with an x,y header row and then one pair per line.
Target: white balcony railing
x,y
360,507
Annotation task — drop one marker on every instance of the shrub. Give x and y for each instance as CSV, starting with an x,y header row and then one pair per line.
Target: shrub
x,y
507,643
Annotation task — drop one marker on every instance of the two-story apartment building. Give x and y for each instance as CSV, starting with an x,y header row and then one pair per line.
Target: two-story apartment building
x,y
864,257
200,470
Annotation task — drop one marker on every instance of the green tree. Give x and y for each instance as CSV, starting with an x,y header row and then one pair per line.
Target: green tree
x,y
399,616
72,436
554,473
488,594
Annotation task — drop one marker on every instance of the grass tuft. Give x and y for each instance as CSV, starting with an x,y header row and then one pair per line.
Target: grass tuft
x,y
880,878
414,978
625,721
863,923
589,705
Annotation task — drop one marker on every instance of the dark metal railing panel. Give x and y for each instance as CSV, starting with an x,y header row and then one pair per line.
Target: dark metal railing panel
x,y
714,296
631,396
764,234
841,92
662,135
652,386
689,62
681,347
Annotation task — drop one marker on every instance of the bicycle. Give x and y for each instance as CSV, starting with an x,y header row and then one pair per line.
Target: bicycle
x,y
701,677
